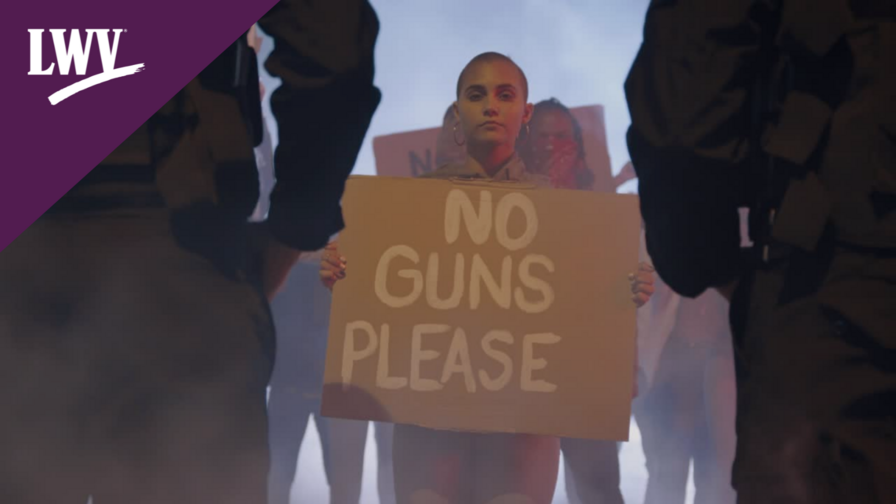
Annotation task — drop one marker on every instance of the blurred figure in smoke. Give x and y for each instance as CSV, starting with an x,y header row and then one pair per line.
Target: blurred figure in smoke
x,y
301,318
434,466
384,434
136,341
687,404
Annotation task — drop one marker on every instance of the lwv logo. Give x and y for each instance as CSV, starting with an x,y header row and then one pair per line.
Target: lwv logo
x,y
79,54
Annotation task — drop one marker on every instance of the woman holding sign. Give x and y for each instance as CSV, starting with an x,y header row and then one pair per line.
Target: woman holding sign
x,y
433,466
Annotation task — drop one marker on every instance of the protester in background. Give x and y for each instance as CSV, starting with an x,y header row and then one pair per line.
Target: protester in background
x,y
687,408
301,319
384,433
433,466
301,313
554,147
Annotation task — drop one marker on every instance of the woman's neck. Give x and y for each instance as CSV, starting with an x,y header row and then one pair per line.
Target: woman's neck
x,y
490,160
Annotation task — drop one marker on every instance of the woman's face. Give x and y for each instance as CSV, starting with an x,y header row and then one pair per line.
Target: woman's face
x,y
550,131
492,106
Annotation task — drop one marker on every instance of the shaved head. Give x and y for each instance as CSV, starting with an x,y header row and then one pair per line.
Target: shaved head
x,y
490,57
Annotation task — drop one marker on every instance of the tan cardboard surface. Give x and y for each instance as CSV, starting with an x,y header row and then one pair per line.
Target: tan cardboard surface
x,y
547,348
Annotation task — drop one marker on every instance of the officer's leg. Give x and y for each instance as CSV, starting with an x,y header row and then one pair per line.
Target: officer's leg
x,y
816,408
44,449
595,470
287,420
186,358
862,375
772,435
43,369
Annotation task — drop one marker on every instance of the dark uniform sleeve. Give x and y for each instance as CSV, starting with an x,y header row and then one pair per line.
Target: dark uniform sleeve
x,y
323,52
689,97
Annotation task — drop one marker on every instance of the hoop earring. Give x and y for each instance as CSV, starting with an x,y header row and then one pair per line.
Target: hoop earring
x,y
459,144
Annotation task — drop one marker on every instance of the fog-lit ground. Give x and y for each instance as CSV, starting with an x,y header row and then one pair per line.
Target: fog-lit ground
x,y
311,487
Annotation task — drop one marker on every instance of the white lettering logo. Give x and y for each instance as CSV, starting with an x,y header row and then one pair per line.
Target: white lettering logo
x,y
79,53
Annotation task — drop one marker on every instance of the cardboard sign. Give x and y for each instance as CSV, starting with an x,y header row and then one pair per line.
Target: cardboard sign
x,y
413,153
408,154
486,307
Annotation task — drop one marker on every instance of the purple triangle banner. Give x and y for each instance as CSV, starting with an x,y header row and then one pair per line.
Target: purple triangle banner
x,y
82,76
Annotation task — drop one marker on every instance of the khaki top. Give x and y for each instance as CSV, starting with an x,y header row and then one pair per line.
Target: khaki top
x,y
513,171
